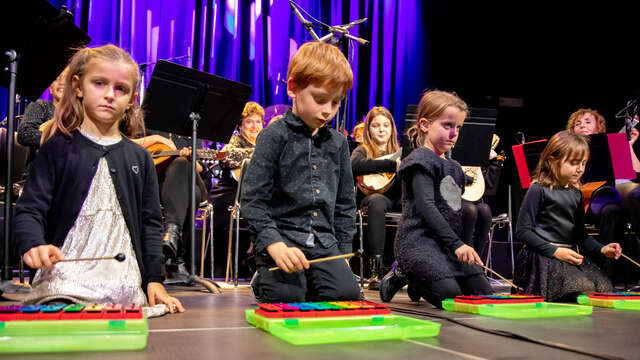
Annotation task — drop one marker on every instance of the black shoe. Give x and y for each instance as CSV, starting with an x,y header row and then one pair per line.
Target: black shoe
x,y
374,283
376,272
178,271
391,283
413,293
170,241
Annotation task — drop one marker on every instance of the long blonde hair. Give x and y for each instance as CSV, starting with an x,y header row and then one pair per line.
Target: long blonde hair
x,y
371,148
69,114
563,145
432,104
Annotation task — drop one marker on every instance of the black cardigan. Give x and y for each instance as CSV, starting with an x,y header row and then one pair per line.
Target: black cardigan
x,y
58,184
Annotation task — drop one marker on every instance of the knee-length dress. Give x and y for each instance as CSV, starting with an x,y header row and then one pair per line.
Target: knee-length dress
x,y
428,235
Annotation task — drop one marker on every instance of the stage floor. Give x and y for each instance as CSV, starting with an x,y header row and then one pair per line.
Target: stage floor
x,y
214,327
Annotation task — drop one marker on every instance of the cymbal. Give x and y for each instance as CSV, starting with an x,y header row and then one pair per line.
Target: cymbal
x,y
275,110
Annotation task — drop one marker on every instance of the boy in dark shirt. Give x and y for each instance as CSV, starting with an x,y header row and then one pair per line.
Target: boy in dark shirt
x,y
298,192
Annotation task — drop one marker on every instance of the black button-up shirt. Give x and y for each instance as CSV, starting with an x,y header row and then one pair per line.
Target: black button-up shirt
x,y
299,187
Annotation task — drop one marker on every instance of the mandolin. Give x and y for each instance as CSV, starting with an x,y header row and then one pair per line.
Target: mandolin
x,y
380,182
475,190
162,155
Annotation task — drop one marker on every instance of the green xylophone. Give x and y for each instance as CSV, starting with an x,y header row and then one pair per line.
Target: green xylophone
x,y
336,321
513,306
75,327
615,300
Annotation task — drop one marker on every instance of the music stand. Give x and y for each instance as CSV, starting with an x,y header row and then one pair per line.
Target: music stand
x,y
602,166
32,31
177,99
474,141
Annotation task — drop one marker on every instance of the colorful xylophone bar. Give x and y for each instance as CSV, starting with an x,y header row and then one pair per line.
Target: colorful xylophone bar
x,y
321,309
336,321
498,299
70,312
513,306
615,300
63,328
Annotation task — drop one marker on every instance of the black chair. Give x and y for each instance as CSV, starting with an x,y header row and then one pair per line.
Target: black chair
x,y
391,219
235,218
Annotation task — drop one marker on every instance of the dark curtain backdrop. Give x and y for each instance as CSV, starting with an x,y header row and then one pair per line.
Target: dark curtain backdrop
x,y
251,41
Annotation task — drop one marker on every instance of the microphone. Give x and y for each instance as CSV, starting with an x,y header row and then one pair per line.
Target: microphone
x,y
305,23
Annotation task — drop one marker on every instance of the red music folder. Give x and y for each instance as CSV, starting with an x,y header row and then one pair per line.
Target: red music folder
x,y
602,165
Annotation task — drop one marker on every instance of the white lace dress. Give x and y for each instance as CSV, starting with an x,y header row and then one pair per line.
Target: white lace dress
x,y
100,230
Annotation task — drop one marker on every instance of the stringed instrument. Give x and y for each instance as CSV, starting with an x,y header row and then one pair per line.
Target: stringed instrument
x,y
587,190
162,155
380,182
475,190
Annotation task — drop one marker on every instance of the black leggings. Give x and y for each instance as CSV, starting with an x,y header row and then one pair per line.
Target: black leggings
x,y
476,223
376,205
436,291
175,191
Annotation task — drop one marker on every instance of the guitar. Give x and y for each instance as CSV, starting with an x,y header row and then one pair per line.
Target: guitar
x,y
475,190
381,182
235,173
162,155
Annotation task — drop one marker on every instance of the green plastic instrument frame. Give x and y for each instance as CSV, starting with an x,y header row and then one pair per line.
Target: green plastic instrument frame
x,y
72,335
519,311
610,303
327,330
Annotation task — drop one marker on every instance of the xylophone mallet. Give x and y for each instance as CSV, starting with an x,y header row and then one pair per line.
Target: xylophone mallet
x,y
630,259
120,257
503,278
343,256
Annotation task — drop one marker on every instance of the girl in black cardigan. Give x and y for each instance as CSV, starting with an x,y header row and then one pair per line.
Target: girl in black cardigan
x,y
93,193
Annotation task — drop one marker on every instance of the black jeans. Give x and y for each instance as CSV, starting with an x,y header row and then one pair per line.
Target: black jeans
x,y
436,291
476,224
324,281
376,206
175,191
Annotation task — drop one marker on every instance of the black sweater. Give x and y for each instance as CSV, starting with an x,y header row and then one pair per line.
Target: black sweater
x,y
58,184
553,216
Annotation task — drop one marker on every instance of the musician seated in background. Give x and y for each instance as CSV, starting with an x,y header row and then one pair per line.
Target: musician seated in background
x,y
36,114
357,132
610,219
378,155
175,194
476,214
240,147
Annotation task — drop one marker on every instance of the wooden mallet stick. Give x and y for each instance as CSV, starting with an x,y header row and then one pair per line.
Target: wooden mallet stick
x,y
120,257
500,276
630,259
343,256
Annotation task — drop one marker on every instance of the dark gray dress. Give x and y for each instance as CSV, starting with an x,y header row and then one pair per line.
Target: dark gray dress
x,y
428,235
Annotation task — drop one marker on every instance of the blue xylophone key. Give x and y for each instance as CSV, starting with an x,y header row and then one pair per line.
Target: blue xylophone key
x,y
32,308
302,307
317,306
52,308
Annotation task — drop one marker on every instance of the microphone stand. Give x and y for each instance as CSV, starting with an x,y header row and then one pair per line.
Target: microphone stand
x,y
628,116
143,72
12,57
336,35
